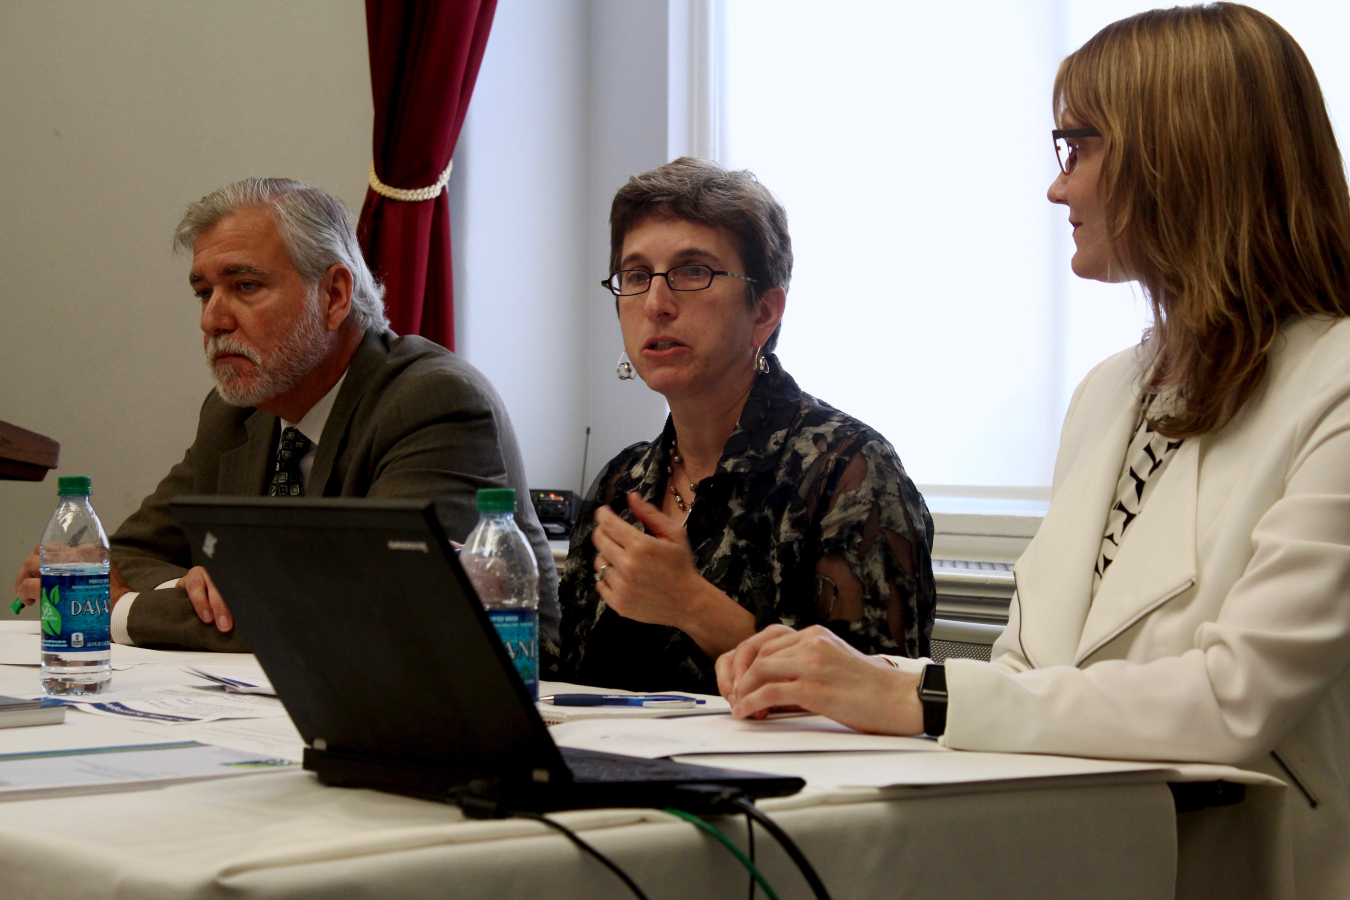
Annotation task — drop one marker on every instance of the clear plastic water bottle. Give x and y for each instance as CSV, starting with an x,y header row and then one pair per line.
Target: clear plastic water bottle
x,y
73,559
501,566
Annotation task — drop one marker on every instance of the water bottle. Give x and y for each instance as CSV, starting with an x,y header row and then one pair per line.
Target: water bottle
x,y
73,559
501,566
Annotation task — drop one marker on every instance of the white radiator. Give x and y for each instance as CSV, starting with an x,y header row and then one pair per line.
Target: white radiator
x,y
980,534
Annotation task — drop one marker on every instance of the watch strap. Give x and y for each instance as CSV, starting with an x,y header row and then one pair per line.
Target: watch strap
x,y
932,690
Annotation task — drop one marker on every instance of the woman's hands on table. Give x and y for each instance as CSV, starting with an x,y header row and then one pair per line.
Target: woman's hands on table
x,y
652,578
816,670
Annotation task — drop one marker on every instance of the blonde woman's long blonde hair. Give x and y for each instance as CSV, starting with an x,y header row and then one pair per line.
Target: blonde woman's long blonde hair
x,y
1224,193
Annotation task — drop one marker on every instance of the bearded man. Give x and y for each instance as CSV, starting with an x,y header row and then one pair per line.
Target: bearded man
x,y
314,396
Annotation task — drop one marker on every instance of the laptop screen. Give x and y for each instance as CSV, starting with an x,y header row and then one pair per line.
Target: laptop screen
x,y
368,628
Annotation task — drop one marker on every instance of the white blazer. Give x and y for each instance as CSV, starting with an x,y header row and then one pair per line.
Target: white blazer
x,y
1221,632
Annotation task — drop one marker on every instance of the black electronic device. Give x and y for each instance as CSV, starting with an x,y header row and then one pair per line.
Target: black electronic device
x,y
932,690
557,512
371,633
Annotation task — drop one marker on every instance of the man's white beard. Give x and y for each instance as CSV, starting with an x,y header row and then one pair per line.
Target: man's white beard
x,y
277,372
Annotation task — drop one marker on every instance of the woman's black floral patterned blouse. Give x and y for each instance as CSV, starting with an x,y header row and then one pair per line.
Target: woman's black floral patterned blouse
x,y
809,519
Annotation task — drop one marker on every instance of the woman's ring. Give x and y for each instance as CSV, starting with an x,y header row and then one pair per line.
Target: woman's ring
x,y
600,576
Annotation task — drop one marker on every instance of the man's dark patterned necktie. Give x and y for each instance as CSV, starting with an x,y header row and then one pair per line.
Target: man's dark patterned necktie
x,y
286,478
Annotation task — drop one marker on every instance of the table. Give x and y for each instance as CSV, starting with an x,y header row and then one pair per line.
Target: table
x,y
282,835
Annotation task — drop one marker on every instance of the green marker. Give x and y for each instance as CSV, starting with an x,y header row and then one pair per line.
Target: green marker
x,y
16,607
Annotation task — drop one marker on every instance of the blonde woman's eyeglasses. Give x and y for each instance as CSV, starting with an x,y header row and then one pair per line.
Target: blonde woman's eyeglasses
x,y
1066,145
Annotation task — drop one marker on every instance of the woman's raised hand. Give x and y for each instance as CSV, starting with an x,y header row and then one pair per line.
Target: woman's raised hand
x,y
815,670
652,578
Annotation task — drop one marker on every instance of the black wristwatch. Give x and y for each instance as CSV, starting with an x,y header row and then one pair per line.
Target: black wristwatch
x,y
933,696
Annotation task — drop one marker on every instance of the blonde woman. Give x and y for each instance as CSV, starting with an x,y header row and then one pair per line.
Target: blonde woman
x,y
1188,595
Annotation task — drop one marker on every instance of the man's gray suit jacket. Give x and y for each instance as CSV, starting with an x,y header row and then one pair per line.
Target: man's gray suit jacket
x,y
412,420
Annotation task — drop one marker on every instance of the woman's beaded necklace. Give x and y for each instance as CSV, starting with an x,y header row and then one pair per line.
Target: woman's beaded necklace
x,y
677,460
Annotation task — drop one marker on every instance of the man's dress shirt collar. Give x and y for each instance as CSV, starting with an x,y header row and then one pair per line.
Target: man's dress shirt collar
x,y
311,426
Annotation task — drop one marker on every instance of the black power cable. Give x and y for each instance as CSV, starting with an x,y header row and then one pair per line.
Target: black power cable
x,y
750,842
710,798
576,839
746,805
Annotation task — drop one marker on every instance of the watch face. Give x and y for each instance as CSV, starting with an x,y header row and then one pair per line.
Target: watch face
x,y
933,680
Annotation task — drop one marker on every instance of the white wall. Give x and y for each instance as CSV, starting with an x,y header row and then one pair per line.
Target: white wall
x,y
118,115
521,245
115,116
629,98
571,100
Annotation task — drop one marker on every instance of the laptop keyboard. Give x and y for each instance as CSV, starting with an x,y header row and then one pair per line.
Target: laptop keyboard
x,y
591,765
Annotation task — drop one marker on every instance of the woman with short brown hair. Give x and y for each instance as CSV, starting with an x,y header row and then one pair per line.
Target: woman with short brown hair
x,y
758,503
1188,594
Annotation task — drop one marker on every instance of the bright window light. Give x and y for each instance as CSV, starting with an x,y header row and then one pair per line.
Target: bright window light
x,y
932,296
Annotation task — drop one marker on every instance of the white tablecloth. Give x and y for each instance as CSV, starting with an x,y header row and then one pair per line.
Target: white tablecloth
x,y
282,835
285,836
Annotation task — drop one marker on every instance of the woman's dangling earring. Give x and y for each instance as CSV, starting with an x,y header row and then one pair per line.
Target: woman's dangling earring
x,y
761,361
625,369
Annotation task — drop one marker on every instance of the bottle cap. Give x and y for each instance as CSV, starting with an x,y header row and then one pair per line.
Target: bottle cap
x,y
497,500
74,485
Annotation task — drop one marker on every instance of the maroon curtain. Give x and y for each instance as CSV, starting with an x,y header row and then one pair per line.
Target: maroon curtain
x,y
424,59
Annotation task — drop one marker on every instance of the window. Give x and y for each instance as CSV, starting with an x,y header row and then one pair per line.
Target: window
x,y
910,143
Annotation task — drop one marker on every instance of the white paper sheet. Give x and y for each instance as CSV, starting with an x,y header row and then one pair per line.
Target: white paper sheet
x,y
97,769
654,738
832,771
182,706
237,679
274,736
21,645
126,657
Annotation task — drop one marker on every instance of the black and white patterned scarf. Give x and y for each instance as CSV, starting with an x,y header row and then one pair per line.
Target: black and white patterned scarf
x,y
1145,459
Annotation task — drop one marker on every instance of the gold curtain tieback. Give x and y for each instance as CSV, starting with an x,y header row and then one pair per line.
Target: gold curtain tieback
x,y
410,196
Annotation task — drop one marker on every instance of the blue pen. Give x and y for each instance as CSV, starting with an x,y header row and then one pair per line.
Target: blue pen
x,y
650,701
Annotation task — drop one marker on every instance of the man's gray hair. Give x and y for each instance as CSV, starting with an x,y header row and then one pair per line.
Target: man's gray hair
x,y
315,226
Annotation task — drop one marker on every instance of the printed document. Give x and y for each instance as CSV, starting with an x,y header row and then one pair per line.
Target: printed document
x,y
180,705
47,773
239,679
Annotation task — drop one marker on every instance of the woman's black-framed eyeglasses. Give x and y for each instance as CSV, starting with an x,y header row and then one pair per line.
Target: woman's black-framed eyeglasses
x,y
1066,151
629,282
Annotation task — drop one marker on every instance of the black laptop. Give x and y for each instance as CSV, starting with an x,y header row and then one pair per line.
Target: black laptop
x,y
375,642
